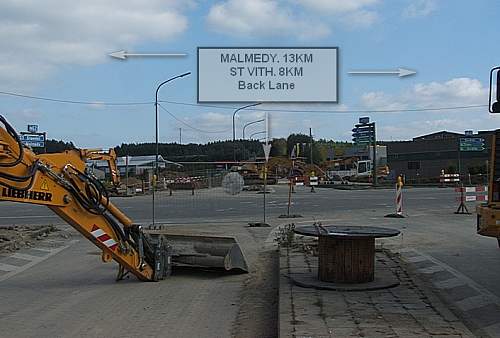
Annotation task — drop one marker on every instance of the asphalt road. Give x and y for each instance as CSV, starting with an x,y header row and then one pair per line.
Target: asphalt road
x,y
213,204
71,293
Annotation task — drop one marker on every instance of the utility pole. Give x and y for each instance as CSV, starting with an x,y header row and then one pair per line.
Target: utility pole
x,y
180,135
375,178
126,175
311,145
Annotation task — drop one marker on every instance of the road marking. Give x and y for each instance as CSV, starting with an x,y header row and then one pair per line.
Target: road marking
x,y
449,283
431,269
416,259
44,249
8,267
19,269
222,210
26,257
473,302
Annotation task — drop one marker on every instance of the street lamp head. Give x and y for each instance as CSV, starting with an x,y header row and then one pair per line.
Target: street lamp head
x,y
185,74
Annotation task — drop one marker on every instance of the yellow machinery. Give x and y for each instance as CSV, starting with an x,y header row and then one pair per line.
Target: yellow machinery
x,y
61,182
488,215
110,157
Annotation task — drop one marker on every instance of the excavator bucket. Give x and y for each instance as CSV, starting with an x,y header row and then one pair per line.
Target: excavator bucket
x,y
202,250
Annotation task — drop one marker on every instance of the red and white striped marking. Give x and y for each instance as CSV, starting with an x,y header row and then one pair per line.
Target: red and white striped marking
x,y
399,199
472,198
447,178
481,188
472,194
103,237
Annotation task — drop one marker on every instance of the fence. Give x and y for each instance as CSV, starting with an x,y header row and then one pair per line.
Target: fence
x,y
194,192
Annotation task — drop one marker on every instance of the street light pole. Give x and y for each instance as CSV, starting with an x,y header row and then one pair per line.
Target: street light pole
x,y
257,133
249,124
234,131
244,127
155,177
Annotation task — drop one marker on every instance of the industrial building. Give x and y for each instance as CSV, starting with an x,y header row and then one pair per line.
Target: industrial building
x,y
424,157
136,165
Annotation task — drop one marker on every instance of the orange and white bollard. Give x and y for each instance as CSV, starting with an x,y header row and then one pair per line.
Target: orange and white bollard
x,y
399,196
399,200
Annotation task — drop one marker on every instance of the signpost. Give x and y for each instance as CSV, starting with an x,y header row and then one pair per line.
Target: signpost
x,y
32,138
469,144
266,146
364,134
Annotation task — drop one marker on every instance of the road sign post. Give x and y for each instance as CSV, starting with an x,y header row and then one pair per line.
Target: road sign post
x,y
364,134
33,139
467,144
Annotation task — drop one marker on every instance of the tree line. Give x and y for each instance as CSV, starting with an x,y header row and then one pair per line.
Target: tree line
x,y
300,144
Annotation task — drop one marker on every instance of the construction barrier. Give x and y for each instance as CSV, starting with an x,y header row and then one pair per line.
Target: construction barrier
x,y
470,194
313,181
448,178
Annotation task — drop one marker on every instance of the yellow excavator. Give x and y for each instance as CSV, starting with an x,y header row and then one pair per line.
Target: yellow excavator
x,y
488,214
108,156
62,182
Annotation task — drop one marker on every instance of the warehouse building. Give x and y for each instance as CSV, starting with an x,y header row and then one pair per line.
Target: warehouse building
x,y
426,156
136,165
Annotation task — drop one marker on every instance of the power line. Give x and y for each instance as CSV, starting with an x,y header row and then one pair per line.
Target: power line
x,y
347,111
91,103
318,111
192,127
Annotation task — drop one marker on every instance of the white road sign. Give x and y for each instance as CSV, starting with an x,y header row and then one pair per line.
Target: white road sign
x,y
267,74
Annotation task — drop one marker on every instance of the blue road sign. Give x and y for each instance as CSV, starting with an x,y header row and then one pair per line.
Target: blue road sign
x,y
33,140
33,128
471,144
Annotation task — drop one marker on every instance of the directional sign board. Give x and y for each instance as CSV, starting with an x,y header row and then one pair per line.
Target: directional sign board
x,y
363,133
267,74
34,140
471,144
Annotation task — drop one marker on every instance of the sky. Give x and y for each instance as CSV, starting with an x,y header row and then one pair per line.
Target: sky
x,y
59,49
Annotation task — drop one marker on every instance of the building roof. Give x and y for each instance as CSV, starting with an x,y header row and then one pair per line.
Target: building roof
x,y
139,161
439,135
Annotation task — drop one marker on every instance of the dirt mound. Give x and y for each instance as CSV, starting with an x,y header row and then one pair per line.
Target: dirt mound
x,y
15,237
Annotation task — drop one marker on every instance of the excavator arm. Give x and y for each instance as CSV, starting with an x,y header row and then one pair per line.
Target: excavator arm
x,y
108,156
61,182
